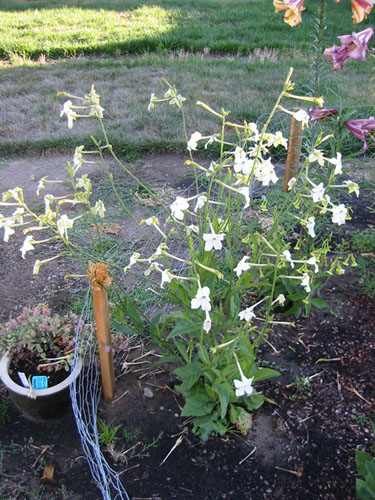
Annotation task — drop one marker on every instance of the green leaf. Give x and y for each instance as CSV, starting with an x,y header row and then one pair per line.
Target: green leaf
x,y
189,374
265,373
224,395
203,354
320,304
181,347
361,458
198,405
132,312
123,328
254,402
240,418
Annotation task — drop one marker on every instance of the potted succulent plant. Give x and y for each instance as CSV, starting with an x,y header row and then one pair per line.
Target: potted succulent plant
x,y
37,350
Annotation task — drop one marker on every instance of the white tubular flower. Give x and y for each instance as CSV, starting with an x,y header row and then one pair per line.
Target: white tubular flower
x,y
242,164
8,230
27,245
245,191
247,314
313,262
193,228
281,299
302,116
317,193
41,185
310,226
352,187
288,257
63,224
207,324
96,110
202,299
276,140
339,214
265,172
201,202
242,266
213,240
291,183
133,260
178,207
99,209
193,141
243,386
166,277
84,182
68,111
36,266
316,155
305,282
78,158
338,164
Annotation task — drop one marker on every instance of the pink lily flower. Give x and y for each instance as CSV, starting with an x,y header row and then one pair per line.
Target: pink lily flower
x,y
361,128
353,46
317,114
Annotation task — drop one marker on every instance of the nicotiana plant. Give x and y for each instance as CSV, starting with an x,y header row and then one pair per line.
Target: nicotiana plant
x,y
226,284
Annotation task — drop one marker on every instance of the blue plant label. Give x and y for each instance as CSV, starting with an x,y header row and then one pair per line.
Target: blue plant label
x,y
39,382
23,379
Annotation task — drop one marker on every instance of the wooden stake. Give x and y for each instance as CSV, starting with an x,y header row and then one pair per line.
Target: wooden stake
x,y
99,277
294,152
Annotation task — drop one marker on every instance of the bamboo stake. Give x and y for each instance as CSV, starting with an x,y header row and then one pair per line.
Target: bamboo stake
x,y
99,277
294,152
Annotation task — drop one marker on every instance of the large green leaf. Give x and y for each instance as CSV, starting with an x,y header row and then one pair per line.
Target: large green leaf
x,y
265,373
197,406
224,394
189,374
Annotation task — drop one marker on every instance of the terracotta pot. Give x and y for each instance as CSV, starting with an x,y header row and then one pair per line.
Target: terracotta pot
x,y
48,403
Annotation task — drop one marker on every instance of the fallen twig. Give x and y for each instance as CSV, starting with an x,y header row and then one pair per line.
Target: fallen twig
x,y
295,473
177,443
248,455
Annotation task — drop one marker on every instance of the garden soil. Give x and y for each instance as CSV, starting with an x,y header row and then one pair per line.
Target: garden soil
x,y
301,447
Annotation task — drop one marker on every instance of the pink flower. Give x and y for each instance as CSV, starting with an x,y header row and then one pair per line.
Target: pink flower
x,y
353,46
361,128
317,114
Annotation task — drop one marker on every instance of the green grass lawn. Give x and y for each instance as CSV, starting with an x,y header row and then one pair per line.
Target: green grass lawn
x,y
233,54
33,28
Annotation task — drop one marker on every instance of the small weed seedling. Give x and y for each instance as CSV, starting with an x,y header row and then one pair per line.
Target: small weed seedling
x,y
302,386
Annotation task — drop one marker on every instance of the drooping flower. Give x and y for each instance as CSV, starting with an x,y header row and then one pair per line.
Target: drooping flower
x,y
8,230
243,386
305,282
313,262
207,323
202,299
317,193
302,116
247,314
353,46
318,156
242,266
317,114
193,141
281,299
213,240
166,277
178,207
201,202
68,111
27,245
352,187
63,224
310,226
288,257
339,214
293,9
338,164
361,128
291,183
